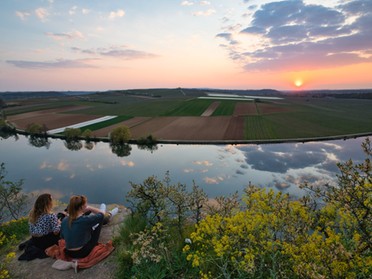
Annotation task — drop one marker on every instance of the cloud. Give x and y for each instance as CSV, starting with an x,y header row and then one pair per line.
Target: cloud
x,y
22,15
42,14
293,35
208,12
116,14
58,64
65,36
187,3
117,52
72,11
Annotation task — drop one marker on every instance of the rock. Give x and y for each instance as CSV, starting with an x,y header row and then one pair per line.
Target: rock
x,y
42,268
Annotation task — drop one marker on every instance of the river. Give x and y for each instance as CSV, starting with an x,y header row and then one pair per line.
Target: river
x,y
103,176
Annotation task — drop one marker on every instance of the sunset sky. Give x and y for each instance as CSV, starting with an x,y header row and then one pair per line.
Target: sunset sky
x,y
236,44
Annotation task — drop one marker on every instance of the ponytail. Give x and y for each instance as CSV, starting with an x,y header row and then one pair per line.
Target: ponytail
x,y
75,205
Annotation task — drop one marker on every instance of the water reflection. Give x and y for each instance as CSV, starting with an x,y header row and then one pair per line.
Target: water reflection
x,y
103,172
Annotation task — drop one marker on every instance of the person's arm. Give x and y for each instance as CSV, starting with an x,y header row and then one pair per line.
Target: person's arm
x,y
56,224
93,210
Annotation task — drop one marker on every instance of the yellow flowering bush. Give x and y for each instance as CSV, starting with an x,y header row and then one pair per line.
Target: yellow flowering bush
x,y
250,243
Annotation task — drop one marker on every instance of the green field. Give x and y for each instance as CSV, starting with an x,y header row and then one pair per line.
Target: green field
x,y
295,117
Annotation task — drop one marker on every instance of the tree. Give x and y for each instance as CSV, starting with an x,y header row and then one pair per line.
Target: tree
x,y
149,199
36,129
87,134
12,200
120,135
72,134
121,150
198,199
224,205
179,205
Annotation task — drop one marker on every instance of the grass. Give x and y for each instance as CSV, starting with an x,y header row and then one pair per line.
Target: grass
x,y
106,123
11,235
257,127
225,108
194,107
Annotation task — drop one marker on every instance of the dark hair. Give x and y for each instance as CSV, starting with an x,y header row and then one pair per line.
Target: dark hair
x,y
74,206
43,204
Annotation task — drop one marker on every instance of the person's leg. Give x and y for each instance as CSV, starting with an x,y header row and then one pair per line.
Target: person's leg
x,y
46,241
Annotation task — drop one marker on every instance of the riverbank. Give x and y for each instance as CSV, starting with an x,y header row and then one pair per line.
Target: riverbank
x,y
262,141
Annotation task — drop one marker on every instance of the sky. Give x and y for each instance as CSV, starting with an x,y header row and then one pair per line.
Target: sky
x,y
228,44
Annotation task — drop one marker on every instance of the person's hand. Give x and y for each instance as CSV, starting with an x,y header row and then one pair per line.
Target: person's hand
x,y
87,208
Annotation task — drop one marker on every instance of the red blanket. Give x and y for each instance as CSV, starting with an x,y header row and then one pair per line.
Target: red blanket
x,y
98,253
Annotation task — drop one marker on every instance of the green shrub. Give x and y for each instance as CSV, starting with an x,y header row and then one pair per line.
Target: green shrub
x,y
120,135
35,129
72,134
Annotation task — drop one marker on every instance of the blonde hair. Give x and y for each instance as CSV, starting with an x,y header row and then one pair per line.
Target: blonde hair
x,y
74,206
43,205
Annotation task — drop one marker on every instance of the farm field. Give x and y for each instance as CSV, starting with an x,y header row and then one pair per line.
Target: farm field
x,y
178,115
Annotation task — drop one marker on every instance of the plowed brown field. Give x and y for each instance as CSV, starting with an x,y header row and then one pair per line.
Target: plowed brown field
x,y
245,109
189,128
51,118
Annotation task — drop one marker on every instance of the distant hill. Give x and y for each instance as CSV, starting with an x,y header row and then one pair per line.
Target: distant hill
x,y
40,94
165,92
344,93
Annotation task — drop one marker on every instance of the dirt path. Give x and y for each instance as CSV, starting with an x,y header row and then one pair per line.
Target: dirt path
x,y
42,268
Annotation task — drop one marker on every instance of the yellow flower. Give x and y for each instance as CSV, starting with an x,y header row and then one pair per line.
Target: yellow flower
x,y
10,255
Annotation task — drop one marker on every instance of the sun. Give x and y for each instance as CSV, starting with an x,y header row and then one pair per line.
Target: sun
x,y
298,83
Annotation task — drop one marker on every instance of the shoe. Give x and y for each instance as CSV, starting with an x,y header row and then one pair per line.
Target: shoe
x,y
103,207
114,211
23,245
65,265
75,265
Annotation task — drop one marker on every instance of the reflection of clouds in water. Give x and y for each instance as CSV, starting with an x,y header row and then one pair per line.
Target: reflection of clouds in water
x,y
56,194
93,168
47,179
282,182
125,163
203,163
195,171
229,149
240,172
280,158
61,166
213,180
281,185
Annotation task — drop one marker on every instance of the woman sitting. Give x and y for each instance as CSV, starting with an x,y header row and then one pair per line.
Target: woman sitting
x,y
81,232
44,228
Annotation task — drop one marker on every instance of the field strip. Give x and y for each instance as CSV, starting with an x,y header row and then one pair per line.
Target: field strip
x,y
82,124
226,98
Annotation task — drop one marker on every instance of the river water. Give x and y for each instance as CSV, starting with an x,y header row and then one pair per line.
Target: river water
x,y
103,176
